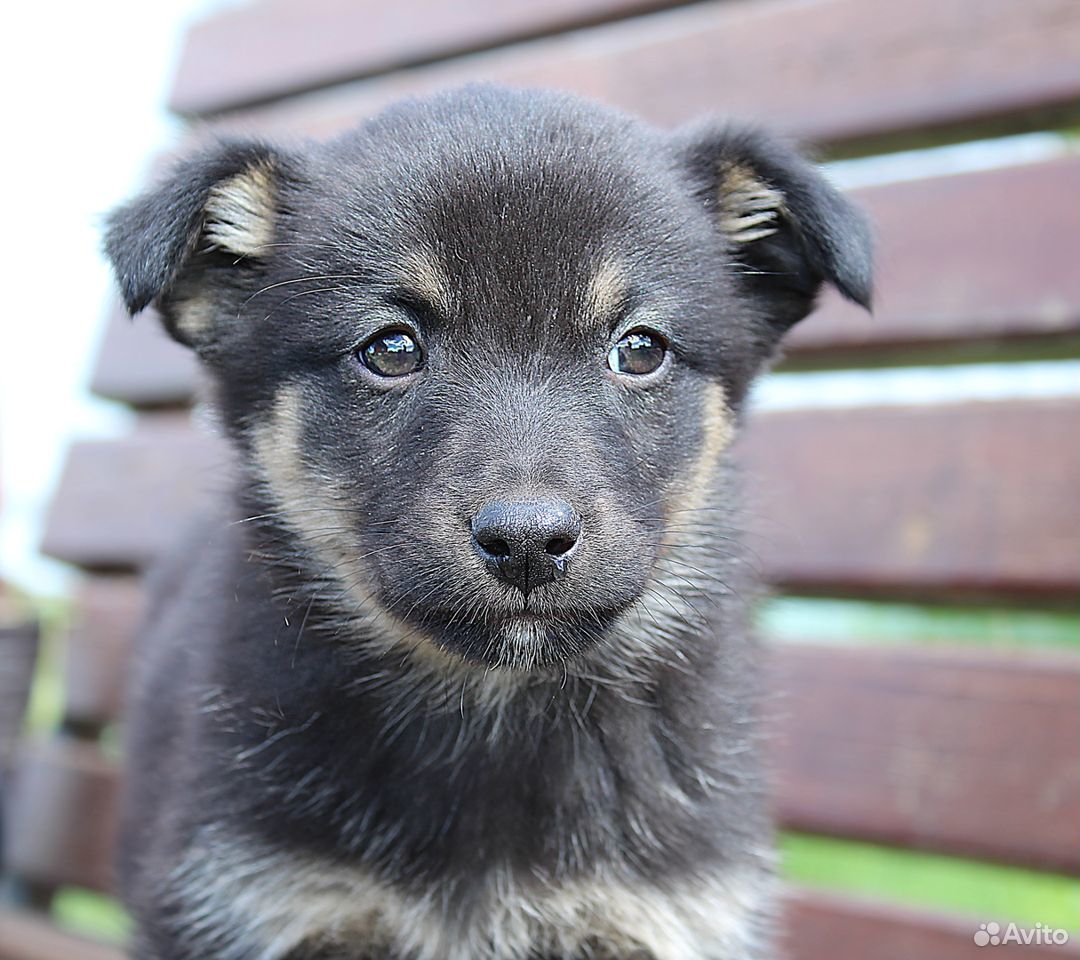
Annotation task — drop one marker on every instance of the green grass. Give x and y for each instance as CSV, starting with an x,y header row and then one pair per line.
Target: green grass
x,y
857,621
90,914
980,890
45,708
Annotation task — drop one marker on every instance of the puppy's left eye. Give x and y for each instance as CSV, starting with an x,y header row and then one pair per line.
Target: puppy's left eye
x,y
392,353
637,353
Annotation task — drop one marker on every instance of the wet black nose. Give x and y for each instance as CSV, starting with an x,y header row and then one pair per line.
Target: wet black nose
x,y
526,543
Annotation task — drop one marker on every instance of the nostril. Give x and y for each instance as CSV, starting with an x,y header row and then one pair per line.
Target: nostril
x,y
496,546
558,546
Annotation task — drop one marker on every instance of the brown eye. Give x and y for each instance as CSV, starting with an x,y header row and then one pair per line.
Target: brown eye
x,y
392,353
637,353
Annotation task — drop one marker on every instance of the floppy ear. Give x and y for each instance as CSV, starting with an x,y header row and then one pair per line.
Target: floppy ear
x,y
786,227
214,217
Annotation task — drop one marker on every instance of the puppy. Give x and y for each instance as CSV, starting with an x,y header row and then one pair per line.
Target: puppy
x,y
461,671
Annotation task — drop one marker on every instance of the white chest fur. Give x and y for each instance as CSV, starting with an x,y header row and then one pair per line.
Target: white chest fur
x,y
253,904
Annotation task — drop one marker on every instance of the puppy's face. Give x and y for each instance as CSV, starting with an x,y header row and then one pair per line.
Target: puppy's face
x,y
481,356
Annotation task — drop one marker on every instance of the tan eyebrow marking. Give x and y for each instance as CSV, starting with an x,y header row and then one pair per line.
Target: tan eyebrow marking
x,y
240,213
607,293
422,276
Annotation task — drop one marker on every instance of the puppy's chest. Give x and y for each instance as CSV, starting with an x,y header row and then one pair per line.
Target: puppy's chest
x,y
275,906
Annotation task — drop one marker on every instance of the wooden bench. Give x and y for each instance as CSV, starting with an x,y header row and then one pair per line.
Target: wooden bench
x,y
963,749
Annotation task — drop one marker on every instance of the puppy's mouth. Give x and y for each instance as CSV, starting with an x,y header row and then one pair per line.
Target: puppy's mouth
x,y
522,640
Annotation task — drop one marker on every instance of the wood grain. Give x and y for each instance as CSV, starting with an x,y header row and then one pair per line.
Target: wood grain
x,y
121,502
961,501
831,71
823,926
973,260
62,815
107,611
18,655
138,363
258,52
970,752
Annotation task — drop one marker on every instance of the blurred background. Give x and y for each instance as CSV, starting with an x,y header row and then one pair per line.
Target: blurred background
x,y
914,474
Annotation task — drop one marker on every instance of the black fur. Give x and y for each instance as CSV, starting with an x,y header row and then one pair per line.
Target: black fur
x,y
273,710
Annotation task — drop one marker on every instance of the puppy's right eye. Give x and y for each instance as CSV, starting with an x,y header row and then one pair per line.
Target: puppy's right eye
x,y
640,352
392,353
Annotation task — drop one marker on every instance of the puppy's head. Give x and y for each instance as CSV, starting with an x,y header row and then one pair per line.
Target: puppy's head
x,y
482,354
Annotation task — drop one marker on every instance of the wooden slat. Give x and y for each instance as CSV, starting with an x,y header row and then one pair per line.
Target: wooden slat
x,y
827,70
982,260
61,825
120,502
138,363
959,751
107,611
958,500
821,926
24,936
266,50
988,256
18,654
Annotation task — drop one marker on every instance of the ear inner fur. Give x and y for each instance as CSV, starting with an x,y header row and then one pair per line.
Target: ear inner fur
x,y
240,213
749,208
794,229
227,191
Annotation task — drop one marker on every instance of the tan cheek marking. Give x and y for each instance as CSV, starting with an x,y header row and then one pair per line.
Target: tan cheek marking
x,y
240,213
606,293
718,431
311,507
309,503
194,315
278,454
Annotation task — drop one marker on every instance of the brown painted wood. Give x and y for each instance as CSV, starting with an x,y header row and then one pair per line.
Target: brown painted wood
x,y
107,611
982,258
823,926
827,70
120,502
139,363
266,50
987,256
25,936
960,751
954,500
61,818
951,501
18,654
